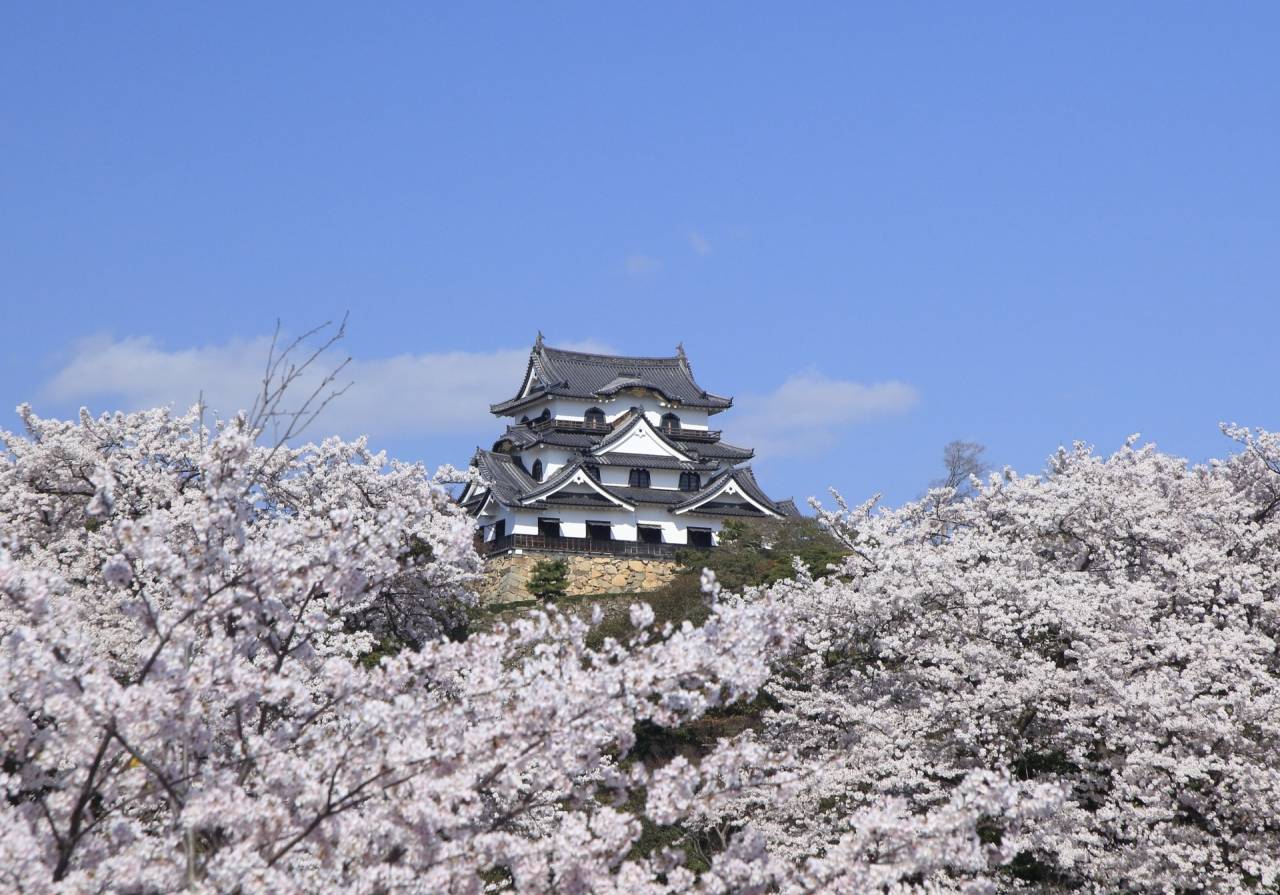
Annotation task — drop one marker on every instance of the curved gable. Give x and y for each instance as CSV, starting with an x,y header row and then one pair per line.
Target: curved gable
x,y
639,436
738,484
573,474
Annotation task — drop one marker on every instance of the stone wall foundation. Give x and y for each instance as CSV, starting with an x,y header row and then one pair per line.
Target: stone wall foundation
x,y
505,576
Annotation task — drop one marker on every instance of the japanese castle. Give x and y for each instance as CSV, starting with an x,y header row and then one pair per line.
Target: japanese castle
x,y
611,454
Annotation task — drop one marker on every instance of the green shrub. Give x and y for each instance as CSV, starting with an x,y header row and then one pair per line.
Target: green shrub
x,y
755,552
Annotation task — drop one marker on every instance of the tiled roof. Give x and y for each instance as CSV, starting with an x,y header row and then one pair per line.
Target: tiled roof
x,y
788,507
714,508
512,485
524,437
718,450
505,477
746,481
577,374
670,498
666,496
575,499
649,461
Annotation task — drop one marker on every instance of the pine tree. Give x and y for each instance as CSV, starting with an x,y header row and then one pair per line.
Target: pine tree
x,y
550,579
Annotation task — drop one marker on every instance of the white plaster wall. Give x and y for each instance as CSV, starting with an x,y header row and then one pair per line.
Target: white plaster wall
x,y
658,478
690,418
693,520
552,459
491,521
613,475
525,523
675,529
569,409
573,522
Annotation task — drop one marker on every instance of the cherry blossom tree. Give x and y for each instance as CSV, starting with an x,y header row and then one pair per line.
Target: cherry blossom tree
x,y
1108,628
183,705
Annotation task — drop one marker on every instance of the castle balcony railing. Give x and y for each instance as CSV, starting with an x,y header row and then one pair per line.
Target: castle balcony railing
x,y
684,434
594,546
570,426
559,425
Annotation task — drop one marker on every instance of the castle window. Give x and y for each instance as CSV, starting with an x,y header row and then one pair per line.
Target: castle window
x,y
599,531
649,534
549,528
594,417
500,529
700,538
690,481
639,478
537,471
670,422
593,471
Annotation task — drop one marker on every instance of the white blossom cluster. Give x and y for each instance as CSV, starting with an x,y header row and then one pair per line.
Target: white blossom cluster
x,y
74,496
1108,630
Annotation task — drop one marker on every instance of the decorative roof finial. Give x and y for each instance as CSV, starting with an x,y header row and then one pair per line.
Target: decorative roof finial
x,y
680,350
538,342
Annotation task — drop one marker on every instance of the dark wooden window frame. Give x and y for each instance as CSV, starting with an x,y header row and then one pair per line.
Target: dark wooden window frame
x,y
699,537
594,531
549,526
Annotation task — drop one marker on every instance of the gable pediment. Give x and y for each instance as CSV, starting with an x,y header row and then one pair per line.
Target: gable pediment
x,y
728,490
573,479
640,437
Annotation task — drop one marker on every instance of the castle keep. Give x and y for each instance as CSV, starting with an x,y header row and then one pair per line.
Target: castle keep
x,y
614,457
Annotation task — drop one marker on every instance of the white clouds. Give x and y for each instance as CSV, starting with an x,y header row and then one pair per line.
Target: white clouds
x,y
642,265
144,375
409,394
807,413
699,243
437,394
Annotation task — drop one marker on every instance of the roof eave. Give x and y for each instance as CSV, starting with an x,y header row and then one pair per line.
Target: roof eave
x,y
746,485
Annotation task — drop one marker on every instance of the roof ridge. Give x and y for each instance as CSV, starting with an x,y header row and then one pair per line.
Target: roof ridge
x,y
586,374
592,355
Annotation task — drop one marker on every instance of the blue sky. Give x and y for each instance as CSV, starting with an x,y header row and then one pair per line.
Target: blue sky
x,y
1012,223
